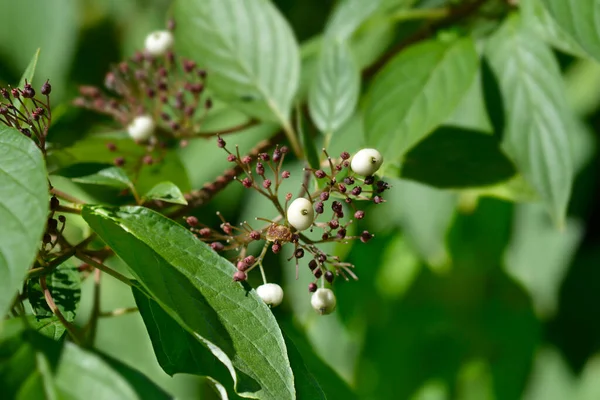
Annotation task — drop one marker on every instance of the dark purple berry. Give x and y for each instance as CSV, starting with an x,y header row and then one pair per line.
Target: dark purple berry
x,y
299,253
365,236
312,264
369,180
345,155
312,287
46,88
360,214
319,208
329,276
217,246
324,196
320,174
317,273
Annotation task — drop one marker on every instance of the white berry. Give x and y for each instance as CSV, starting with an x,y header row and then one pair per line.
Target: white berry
x,y
300,214
323,301
158,42
141,128
366,162
270,293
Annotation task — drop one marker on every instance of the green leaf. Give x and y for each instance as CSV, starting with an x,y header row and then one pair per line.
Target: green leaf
x,y
30,70
580,19
181,353
348,16
539,255
543,23
415,92
454,157
23,210
166,191
537,116
307,386
64,283
248,49
335,89
230,320
92,173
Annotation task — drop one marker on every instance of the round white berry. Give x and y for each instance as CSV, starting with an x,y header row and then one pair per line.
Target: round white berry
x,y
366,162
141,128
300,214
270,293
323,301
157,43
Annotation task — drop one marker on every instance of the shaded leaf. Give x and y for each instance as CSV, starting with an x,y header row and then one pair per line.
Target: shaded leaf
x,y
537,116
23,210
454,157
248,49
64,284
166,191
492,97
539,255
112,176
335,89
233,322
415,92
580,19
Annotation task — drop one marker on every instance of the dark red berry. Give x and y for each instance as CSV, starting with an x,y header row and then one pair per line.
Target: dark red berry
x,y
285,174
317,273
365,236
312,264
240,276
46,88
299,253
320,174
312,287
345,155
191,221
217,246
255,235
329,276
360,214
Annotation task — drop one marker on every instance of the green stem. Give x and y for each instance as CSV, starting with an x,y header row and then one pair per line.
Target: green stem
x,y
419,13
83,257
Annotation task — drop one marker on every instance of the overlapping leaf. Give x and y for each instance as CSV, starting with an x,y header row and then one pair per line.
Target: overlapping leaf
x,y
538,122
194,286
415,92
248,49
581,19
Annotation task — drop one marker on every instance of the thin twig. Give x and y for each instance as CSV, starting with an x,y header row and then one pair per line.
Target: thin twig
x,y
66,196
118,312
202,196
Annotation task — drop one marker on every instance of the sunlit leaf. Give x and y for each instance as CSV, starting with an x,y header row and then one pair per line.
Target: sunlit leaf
x,y
23,210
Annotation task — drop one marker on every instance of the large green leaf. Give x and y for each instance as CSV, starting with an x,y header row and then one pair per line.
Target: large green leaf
x,y
415,92
23,210
334,92
194,286
580,19
538,122
454,157
35,367
248,49
79,370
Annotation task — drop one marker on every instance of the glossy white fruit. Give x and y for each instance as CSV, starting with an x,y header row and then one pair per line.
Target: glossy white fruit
x,y
366,162
300,214
323,301
141,128
270,293
157,43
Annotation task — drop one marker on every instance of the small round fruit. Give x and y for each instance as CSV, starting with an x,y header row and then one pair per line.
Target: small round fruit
x,y
141,128
300,214
270,293
323,301
366,162
157,43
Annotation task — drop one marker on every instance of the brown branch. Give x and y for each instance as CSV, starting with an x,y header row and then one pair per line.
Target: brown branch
x,y
66,196
202,196
233,129
456,14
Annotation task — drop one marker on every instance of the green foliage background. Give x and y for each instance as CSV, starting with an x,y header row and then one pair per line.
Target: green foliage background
x,y
459,297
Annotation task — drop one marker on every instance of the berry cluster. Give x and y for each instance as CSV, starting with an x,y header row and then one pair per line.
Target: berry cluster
x,y
20,108
157,96
347,182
